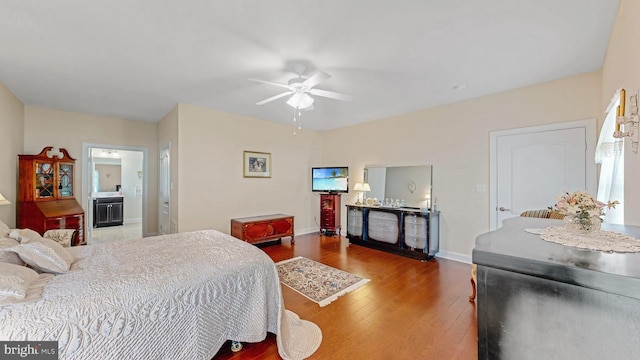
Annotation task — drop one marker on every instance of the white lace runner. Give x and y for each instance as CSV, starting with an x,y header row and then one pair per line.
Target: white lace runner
x,y
598,240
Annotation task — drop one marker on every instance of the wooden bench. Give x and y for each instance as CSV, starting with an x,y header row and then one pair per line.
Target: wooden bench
x,y
263,229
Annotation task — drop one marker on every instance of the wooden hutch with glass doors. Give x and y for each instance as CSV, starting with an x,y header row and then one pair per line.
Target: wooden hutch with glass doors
x,y
46,192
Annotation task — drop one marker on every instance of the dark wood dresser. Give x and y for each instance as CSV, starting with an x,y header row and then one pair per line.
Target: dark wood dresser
x,y
409,232
542,300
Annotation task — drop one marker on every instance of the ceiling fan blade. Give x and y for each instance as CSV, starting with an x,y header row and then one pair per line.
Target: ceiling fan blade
x,y
330,94
274,98
316,79
270,83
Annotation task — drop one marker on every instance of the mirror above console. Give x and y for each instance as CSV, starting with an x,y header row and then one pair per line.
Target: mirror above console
x,y
411,185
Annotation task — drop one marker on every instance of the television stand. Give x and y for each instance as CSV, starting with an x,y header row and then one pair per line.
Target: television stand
x,y
330,214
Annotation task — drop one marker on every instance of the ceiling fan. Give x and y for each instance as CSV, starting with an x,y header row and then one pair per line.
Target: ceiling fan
x,y
301,88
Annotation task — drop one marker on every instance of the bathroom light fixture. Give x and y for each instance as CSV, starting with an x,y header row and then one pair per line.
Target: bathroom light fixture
x,y
627,126
4,201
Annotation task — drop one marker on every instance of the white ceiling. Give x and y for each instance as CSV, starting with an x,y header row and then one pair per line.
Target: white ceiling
x,y
135,59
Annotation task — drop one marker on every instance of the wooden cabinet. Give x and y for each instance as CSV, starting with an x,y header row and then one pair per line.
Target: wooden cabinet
x,y
263,229
108,211
330,214
536,298
46,192
403,231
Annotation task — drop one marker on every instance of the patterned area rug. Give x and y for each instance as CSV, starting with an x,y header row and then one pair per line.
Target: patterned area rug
x,y
319,283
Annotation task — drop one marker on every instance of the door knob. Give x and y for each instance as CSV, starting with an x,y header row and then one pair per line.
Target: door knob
x,y
501,208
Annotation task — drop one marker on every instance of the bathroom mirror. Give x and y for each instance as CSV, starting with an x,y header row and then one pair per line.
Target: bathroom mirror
x,y
411,184
107,174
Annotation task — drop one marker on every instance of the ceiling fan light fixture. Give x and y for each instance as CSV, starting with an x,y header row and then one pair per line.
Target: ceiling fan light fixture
x,y
300,100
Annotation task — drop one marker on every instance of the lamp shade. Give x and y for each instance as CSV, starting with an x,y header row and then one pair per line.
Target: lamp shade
x,y
300,100
358,187
366,187
4,201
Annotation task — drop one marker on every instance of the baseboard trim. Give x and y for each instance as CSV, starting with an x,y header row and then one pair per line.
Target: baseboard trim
x,y
307,231
450,255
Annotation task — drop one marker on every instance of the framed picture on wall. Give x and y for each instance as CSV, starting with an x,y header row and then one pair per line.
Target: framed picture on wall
x,y
257,164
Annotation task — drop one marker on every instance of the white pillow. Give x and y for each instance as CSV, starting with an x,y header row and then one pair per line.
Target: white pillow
x,y
20,284
42,257
9,256
4,229
24,234
12,288
14,281
64,252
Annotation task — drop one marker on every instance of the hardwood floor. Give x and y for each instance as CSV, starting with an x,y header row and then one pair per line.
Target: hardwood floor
x,y
409,310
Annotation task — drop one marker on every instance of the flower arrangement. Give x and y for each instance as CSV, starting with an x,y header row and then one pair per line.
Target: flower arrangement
x,y
582,209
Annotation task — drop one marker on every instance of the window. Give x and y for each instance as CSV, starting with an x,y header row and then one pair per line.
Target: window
x,y
610,156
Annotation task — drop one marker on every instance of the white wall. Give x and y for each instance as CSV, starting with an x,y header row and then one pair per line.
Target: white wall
x,y
212,189
12,135
621,69
69,130
132,186
455,139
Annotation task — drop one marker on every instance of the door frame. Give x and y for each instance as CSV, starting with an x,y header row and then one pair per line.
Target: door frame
x,y
86,189
591,181
166,147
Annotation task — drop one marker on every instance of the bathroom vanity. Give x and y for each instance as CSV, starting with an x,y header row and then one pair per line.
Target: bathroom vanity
x,y
108,210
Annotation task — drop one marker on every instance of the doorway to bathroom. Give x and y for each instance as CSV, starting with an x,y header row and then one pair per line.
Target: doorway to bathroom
x,y
114,192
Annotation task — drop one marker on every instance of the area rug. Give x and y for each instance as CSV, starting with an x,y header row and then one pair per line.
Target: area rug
x,y
319,283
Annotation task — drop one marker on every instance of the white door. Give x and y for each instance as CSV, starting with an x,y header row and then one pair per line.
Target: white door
x,y
164,192
530,167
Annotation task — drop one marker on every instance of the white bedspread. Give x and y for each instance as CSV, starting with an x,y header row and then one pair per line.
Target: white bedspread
x,y
177,296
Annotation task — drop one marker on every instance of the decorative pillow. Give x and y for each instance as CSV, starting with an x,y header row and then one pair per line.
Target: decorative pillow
x,y
20,284
26,236
4,229
42,257
9,256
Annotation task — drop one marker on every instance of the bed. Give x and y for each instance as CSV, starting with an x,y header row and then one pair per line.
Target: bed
x,y
179,296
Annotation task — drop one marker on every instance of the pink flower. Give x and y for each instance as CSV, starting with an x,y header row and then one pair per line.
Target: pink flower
x,y
582,203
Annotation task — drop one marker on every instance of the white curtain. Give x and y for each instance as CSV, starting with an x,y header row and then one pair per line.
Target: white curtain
x,y
610,156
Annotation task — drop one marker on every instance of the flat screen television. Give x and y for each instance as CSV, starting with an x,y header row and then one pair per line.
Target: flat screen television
x,y
330,179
